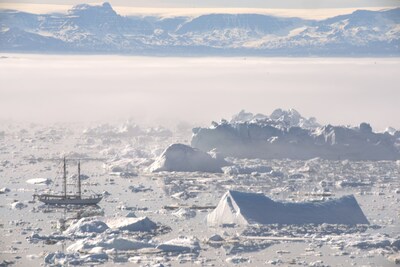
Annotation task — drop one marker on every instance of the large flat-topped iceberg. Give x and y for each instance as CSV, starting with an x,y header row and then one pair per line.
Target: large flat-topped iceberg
x,y
242,208
183,158
286,134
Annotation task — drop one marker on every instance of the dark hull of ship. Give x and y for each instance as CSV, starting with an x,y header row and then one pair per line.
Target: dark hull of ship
x,y
69,200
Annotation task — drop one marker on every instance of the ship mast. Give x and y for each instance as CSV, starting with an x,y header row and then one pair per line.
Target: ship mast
x,y
79,179
65,179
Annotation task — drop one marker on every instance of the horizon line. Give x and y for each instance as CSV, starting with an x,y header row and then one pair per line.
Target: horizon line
x,y
309,13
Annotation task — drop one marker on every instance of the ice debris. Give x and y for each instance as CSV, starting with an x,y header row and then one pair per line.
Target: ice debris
x,y
142,224
180,244
39,181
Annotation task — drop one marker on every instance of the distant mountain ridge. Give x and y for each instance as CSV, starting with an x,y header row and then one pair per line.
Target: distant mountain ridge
x,y
99,29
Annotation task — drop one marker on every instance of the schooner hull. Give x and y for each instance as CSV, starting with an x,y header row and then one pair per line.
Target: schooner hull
x,y
70,201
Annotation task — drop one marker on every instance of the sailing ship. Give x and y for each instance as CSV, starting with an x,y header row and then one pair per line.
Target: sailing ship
x,y
69,199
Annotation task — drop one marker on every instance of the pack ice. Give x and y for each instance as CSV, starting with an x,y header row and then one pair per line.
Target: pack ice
x,y
286,134
243,208
183,158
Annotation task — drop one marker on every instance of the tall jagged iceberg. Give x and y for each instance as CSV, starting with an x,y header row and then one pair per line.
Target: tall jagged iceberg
x,y
243,208
286,134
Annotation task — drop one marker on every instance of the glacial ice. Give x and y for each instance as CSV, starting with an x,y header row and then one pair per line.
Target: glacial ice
x,y
85,226
251,208
132,224
286,134
180,244
183,158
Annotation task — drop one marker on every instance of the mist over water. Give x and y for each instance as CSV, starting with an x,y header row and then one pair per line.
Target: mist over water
x,y
153,90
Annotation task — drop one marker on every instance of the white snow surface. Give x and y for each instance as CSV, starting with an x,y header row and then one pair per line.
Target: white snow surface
x,y
243,208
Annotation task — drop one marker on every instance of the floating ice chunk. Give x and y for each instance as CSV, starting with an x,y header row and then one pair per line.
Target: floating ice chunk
x,y
18,205
130,214
122,166
231,170
250,208
95,258
237,260
183,158
141,224
39,181
395,258
60,258
349,183
124,244
105,242
181,244
216,238
183,195
184,213
4,190
86,226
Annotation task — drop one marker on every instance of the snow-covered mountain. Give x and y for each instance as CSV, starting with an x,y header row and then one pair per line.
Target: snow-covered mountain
x,y
99,29
286,134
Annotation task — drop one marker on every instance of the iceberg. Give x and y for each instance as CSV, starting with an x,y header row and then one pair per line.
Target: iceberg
x,y
241,208
183,158
286,134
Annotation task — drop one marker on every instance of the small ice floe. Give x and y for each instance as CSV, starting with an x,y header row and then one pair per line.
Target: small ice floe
x,y
184,213
4,190
141,224
139,188
375,241
83,176
91,213
48,239
350,183
181,244
60,258
183,195
106,193
275,262
130,214
18,205
107,242
86,226
122,166
234,170
127,174
39,181
395,258
215,238
237,260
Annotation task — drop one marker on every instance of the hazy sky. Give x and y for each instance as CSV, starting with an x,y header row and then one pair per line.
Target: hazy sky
x,y
309,9
230,3
168,90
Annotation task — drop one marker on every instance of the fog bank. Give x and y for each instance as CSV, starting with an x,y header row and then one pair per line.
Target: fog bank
x,y
156,90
